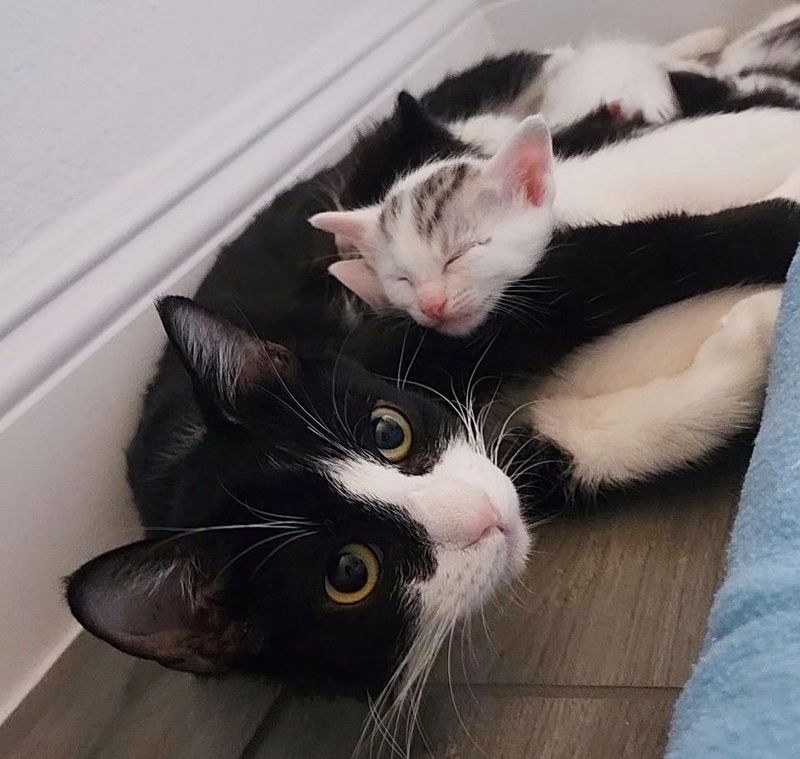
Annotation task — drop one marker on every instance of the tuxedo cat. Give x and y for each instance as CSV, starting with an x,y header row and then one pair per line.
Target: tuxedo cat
x,y
309,519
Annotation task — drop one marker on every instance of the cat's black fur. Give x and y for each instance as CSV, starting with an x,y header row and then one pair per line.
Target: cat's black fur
x,y
701,95
490,86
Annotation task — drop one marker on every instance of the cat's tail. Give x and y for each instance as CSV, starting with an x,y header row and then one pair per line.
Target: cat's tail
x,y
790,189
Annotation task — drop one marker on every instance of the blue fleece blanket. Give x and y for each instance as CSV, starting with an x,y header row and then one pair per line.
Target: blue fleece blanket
x,y
743,699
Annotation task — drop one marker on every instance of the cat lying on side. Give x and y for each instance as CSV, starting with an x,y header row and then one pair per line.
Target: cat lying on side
x,y
307,519
451,237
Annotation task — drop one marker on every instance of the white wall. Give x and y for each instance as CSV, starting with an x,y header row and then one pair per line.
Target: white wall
x,y
527,23
91,89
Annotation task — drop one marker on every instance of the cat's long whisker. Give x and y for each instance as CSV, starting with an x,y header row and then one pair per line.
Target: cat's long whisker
x,y
283,545
250,549
342,424
489,640
411,362
531,467
453,695
260,512
402,356
507,421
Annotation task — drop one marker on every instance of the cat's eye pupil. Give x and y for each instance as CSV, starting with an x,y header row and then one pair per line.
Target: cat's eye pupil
x,y
388,433
348,574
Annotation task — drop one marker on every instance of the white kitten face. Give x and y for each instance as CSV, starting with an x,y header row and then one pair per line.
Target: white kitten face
x,y
451,236
450,243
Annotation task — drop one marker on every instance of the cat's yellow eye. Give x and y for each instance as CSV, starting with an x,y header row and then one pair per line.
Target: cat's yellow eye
x,y
391,432
352,574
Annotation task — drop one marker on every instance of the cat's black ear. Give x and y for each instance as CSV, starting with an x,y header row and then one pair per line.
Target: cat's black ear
x,y
412,115
224,361
160,600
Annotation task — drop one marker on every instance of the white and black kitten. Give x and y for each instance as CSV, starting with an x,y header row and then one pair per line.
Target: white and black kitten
x,y
451,237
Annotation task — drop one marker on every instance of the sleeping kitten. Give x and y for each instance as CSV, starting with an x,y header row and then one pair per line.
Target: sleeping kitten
x,y
451,236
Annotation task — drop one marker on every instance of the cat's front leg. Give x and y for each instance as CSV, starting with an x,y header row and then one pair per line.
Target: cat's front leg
x,y
671,422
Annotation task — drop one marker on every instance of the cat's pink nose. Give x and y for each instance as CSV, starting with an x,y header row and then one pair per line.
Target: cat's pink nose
x,y
434,306
484,519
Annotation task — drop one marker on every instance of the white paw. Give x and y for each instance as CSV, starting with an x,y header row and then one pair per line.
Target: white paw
x,y
746,332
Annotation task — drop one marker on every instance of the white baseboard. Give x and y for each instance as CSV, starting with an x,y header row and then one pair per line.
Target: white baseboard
x,y
78,346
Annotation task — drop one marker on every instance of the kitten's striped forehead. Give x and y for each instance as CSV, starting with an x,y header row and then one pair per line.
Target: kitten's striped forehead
x,y
424,202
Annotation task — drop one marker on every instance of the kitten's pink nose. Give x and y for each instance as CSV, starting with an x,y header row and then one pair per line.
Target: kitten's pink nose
x,y
433,305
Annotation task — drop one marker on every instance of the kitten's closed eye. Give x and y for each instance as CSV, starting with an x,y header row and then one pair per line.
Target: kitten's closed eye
x,y
464,249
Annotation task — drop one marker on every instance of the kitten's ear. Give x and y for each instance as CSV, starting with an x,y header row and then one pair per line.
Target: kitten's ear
x,y
224,361
524,164
159,600
358,277
356,227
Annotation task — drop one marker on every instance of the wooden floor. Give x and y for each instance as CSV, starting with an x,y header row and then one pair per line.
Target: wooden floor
x,y
583,661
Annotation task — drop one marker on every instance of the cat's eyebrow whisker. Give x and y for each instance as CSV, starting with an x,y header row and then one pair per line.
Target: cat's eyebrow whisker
x,y
294,538
339,418
284,518
318,429
255,546
183,532
411,362
402,356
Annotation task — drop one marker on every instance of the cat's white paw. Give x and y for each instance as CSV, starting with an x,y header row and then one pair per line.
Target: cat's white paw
x,y
746,332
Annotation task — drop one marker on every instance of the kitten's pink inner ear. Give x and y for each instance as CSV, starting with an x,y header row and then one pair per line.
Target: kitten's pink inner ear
x,y
350,228
525,163
358,277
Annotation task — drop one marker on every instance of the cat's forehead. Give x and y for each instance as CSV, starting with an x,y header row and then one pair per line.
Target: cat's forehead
x,y
421,200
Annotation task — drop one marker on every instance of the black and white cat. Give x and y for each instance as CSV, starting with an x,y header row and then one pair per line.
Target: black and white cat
x,y
307,519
